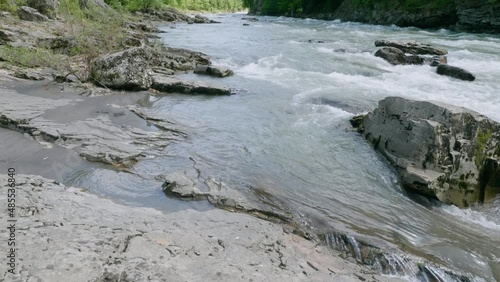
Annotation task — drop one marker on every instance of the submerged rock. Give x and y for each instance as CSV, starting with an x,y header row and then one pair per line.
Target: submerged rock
x,y
30,14
412,47
170,84
217,71
455,72
441,151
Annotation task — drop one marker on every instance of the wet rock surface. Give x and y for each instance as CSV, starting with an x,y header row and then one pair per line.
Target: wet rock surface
x,y
412,47
217,71
138,244
169,84
223,195
392,55
100,138
455,156
455,72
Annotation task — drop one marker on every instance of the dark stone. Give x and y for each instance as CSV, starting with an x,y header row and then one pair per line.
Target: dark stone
x,y
30,14
455,72
392,55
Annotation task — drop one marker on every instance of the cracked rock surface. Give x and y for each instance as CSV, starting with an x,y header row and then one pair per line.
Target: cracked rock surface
x,y
66,234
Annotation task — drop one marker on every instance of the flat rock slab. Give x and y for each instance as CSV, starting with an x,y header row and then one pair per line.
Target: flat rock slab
x,y
97,139
65,234
222,195
412,47
168,84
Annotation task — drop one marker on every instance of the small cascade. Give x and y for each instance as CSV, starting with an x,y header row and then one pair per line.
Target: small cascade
x,y
391,264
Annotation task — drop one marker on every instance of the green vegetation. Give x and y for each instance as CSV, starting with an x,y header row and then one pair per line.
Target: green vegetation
x,y
9,5
479,154
30,57
193,5
293,7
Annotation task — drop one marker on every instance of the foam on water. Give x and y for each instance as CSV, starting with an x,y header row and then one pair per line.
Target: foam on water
x,y
290,126
470,215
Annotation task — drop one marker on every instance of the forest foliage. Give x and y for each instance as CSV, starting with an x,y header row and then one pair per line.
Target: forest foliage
x,y
297,7
193,5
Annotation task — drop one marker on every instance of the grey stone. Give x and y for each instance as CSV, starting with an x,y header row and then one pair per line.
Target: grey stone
x,y
392,55
179,184
217,71
7,36
127,70
30,75
100,240
412,47
85,4
168,84
131,69
455,72
441,151
30,14
96,139
46,7
201,19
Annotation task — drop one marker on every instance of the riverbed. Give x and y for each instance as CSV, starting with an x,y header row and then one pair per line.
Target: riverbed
x,y
286,131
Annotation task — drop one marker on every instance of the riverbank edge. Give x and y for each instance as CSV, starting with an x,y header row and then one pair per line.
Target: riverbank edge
x,y
69,84
478,16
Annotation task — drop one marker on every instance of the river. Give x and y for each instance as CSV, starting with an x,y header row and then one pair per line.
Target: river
x,y
287,131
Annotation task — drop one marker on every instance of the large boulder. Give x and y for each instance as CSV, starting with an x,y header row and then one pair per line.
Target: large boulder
x,y
125,70
412,47
46,7
396,56
445,152
132,69
455,72
30,14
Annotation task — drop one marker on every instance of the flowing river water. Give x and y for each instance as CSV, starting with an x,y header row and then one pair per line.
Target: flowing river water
x,y
287,131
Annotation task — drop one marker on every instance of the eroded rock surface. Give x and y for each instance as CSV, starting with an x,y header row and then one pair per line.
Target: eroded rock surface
x,y
412,47
132,69
442,151
30,14
46,7
95,138
170,84
217,71
99,240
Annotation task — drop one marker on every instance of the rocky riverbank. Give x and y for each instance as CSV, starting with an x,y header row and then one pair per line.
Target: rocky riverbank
x,y
95,239
66,234
462,15
455,152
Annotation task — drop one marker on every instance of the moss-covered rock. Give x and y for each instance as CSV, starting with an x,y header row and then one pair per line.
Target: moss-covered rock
x,y
445,152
